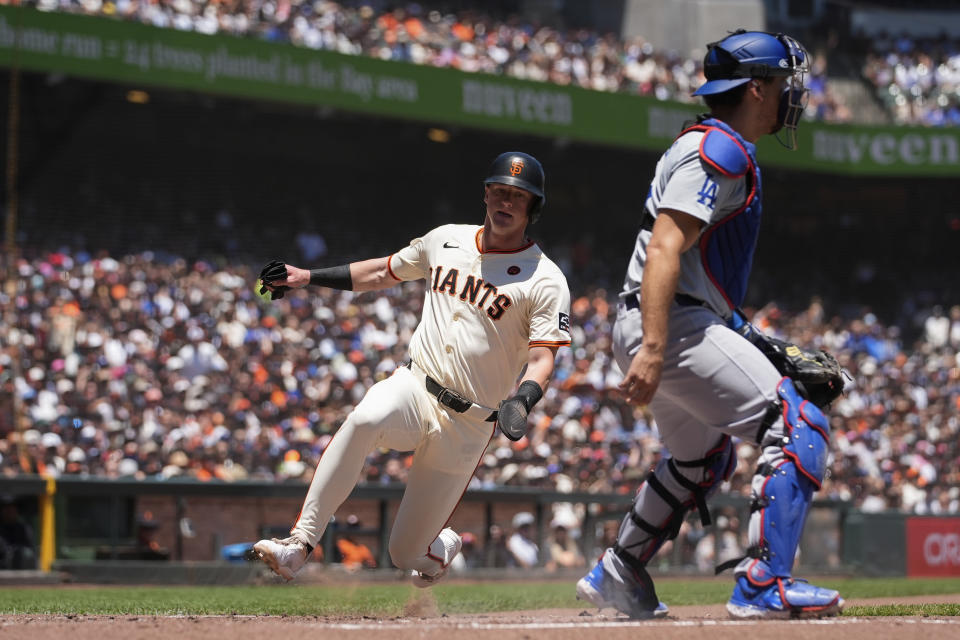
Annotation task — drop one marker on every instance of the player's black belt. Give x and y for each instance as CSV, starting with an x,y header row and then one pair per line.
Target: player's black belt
x,y
451,399
632,301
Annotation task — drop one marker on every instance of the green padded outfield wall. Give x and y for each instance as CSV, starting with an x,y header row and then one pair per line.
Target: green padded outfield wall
x,y
875,544
141,55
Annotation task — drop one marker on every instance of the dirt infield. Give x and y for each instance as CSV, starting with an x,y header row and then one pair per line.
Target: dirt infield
x,y
693,622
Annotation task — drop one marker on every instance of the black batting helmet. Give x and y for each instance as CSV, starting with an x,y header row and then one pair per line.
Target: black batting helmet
x,y
523,171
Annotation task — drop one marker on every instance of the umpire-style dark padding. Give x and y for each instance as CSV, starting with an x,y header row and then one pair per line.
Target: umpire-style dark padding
x,y
521,170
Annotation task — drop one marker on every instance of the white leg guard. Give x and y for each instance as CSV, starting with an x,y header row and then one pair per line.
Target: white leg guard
x,y
669,493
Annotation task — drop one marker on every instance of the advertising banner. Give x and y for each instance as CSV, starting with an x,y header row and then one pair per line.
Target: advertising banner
x,y
141,55
933,546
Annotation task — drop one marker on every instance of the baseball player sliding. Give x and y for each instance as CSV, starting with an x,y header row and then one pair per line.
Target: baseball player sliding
x,y
494,304
680,339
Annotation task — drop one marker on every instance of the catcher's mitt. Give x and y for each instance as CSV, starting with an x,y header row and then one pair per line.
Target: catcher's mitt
x,y
816,374
275,270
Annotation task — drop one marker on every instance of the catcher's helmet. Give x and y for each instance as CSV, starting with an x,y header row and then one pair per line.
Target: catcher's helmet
x,y
520,170
744,55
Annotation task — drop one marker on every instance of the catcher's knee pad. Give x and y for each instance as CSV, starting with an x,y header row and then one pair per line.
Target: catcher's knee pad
x,y
672,490
791,468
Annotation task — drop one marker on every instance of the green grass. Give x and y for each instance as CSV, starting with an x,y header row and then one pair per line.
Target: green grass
x,y
905,610
391,599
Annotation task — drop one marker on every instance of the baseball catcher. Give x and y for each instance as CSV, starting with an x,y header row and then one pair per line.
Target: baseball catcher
x,y
682,348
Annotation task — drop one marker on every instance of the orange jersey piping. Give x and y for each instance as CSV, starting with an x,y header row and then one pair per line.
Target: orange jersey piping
x,y
549,343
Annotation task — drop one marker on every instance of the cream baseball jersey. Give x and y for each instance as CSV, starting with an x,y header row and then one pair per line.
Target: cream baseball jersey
x,y
483,309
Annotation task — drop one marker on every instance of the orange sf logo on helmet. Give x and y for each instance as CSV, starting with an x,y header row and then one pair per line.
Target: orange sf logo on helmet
x,y
516,166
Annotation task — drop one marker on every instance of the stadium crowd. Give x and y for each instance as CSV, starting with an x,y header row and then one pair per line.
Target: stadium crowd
x,y
150,366
917,78
470,40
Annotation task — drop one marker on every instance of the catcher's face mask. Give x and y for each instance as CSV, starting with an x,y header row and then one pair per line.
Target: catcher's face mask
x,y
795,94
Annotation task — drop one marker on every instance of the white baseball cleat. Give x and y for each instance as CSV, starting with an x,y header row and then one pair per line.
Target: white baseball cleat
x,y
445,548
284,557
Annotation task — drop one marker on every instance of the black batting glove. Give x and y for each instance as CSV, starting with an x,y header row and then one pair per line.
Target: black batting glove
x,y
513,412
275,270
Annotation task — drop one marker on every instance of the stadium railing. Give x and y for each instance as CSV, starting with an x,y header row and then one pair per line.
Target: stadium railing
x,y
116,504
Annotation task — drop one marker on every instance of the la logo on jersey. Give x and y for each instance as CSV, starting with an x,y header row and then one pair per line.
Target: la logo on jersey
x,y
470,293
516,166
708,192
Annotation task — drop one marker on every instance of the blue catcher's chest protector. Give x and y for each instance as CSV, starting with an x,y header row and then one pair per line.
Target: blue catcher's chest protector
x,y
727,247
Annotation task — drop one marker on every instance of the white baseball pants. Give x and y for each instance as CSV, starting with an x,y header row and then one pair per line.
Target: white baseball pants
x,y
398,413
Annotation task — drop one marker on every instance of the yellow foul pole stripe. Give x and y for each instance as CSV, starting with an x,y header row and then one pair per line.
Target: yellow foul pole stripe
x,y
47,529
